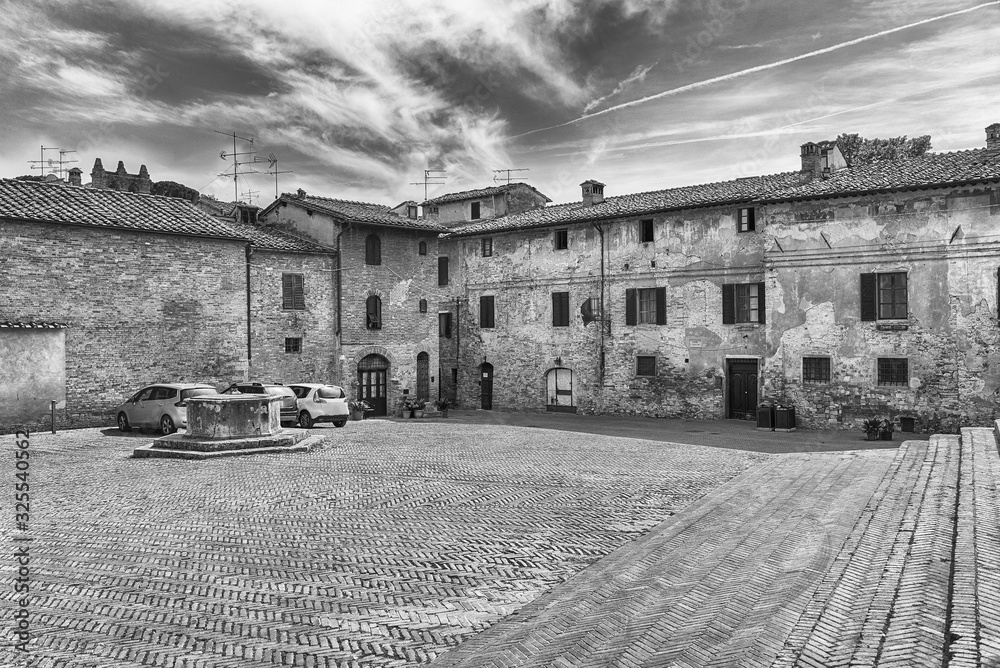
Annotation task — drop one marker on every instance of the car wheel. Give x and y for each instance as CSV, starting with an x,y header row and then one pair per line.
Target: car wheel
x,y
305,420
123,424
339,423
167,425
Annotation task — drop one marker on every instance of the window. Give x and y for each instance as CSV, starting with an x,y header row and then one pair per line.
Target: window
x,y
560,309
486,313
444,325
442,271
815,370
562,239
411,212
883,296
373,249
646,306
747,219
647,231
293,345
645,365
488,247
373,311
475,211
422,248
423,306
893,371
743,303
293,292
432,209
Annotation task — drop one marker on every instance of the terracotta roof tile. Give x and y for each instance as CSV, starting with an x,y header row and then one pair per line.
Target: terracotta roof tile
x,y
739,190
61,203
357,212
482,192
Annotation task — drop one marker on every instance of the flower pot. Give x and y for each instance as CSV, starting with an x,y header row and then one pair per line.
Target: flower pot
x,y
420,412
444,412
357,415
871,436
412,414
886,435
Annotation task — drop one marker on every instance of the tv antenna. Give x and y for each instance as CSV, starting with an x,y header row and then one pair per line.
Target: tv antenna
x,y
272,168
429,176
251,195
56,166
498,178
237,163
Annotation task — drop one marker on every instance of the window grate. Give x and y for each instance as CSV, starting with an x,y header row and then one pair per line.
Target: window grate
x,y
645,365
293,345
893,371
816,370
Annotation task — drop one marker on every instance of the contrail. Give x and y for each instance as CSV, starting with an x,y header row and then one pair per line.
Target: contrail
x,y
759,68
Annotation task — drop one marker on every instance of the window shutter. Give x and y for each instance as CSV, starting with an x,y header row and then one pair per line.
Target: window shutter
x,y
869,296
299,297
556,310
486,319
442,271
630,306
761,304
751,220
661,306
728,304
287,291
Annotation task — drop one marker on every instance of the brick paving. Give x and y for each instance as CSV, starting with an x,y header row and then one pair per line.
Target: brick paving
x,y
386,546
399,544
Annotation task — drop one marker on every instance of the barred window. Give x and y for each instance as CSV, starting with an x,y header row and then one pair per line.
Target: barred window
x,y
893,371
645,365
293,345
816,370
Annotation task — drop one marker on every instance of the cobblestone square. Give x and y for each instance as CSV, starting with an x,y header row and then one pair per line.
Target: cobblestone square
x,y
388,545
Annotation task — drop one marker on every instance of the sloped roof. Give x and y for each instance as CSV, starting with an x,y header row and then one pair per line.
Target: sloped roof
x,y
482,192
929,170
113,209
355,212
738,190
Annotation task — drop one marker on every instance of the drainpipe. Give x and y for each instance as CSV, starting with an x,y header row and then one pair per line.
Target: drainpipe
x,y
458,342
340,296
249,253
600,368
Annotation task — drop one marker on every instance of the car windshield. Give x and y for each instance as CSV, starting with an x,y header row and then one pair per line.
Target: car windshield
x,y
330,392
300,391
280,391
196,392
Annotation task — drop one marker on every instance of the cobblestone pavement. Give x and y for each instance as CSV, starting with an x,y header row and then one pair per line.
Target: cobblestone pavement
x,y
386,546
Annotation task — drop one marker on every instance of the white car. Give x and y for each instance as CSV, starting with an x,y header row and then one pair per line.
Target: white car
x,y
321,403
161,406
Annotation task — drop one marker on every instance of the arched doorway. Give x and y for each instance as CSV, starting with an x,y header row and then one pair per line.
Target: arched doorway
x,y
424,376
486,386
559,390
373,374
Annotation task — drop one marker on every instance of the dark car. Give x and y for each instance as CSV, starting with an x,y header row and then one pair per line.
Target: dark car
x,y
289,408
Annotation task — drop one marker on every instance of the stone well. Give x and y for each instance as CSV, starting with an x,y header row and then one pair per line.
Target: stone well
x,y
227,416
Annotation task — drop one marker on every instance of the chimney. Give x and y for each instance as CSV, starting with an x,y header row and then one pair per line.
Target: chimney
x,y
301,193
993,137
76,176
593,192
121,169
145,183
97,175
812,162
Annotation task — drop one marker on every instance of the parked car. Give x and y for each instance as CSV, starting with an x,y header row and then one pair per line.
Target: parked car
x,y
321,403
289,410
160,406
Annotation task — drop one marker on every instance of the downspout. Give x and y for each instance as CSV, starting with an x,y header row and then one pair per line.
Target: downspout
x,y
340,297
601,361
458,343
249,252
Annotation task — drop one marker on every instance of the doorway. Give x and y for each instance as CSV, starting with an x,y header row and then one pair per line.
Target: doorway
x,y
486,386
741,389
559,386
424,377
373,373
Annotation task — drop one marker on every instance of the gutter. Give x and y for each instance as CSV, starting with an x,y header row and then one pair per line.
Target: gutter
x,y
249,252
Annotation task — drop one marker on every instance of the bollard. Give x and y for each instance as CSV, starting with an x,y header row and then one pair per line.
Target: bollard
x,y
52,408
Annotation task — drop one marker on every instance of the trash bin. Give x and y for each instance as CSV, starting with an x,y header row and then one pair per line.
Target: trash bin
x,y
784,417
765,416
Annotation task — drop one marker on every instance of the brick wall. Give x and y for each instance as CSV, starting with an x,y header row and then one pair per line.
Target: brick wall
x,y
139,308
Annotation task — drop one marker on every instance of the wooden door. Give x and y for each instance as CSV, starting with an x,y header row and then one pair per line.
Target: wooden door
x,y
486,386
560,390
423,377
742,389
373,373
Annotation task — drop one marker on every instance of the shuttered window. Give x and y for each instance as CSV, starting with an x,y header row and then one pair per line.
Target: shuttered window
x,y
883,296
373,307
647,231
646,306
560,309
747,219
444,325
475,211
486,313
562,239
373,249
743,303
442,271
293,292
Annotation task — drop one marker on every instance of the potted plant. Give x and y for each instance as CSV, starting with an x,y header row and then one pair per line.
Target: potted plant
x,y
886,429
442,405
421,405
358,409
872,428
409,407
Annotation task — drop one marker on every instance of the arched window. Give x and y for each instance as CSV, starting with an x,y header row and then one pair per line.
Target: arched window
x,y
373,306
422,248
373,249
423,306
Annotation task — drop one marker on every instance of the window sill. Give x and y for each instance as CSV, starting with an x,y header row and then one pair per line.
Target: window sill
x,y
891,326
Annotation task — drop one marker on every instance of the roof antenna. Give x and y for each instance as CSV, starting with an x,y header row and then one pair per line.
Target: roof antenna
x,y
429,176
236,162
272,168
498,178
55,165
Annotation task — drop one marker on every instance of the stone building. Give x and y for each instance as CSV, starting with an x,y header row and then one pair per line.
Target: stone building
x,y
387,298
117,180
851,291
454,208
105,291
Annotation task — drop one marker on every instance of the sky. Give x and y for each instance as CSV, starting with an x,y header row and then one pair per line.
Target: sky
x,y
357,99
